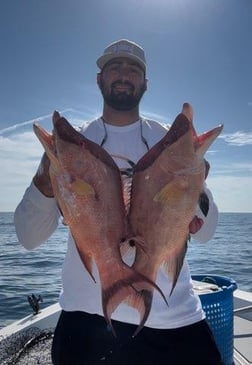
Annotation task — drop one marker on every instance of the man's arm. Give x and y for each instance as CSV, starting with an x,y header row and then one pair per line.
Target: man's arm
x,y
37,215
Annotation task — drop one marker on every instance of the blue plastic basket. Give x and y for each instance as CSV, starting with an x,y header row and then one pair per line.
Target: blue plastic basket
x,y
218,307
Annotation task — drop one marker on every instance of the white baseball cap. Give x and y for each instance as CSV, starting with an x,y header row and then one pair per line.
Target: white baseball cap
x,y
122,48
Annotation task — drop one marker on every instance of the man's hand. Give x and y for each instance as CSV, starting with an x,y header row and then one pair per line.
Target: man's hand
x,y
195,224
42,179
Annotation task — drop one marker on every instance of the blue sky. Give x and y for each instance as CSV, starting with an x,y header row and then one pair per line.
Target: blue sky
x,y
198,51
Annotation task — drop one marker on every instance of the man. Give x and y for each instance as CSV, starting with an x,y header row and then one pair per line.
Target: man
x,y
175,335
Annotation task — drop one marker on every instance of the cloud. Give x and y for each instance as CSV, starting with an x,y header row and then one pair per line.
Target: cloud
x,y
231,193
19,154
233,169
159,117
241,166
73,115
238,138
23,124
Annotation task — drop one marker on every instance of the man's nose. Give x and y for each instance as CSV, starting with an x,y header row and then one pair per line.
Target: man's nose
x,y
124,73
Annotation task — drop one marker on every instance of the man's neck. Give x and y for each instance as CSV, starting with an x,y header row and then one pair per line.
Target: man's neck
x,y
120,118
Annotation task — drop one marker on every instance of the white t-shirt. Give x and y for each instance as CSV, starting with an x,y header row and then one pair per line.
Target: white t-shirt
x,y
37,216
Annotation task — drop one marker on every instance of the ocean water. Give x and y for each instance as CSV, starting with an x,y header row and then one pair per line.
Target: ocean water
x,y
24,272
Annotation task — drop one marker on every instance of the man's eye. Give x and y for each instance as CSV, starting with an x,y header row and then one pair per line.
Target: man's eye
x,y
114,68
134,70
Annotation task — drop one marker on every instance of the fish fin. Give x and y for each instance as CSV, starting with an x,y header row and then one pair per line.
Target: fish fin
x,y
174,264
81,187
134,289
88,263
143,304
171,192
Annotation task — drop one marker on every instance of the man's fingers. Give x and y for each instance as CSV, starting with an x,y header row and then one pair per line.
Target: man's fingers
x,y
195,225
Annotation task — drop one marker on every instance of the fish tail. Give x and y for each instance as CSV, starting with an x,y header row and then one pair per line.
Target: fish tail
x,y
134,289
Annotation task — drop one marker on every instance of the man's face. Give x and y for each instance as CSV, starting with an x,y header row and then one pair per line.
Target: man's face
x,y
122,83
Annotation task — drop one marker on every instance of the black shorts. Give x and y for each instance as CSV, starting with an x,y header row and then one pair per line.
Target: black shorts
x,y
85,339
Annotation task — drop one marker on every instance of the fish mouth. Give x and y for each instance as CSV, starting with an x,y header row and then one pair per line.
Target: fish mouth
x,y
47,141
206,139
44,137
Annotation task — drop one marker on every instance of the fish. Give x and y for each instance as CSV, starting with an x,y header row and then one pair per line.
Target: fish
x,y
87,186
166,187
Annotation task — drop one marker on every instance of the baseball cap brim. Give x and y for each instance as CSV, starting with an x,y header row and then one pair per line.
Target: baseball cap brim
x,y
103,60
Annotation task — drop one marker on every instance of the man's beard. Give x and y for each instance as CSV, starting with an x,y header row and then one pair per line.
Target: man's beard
x,y
123,100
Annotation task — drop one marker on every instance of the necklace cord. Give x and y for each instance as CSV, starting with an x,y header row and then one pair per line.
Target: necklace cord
x,y
143,139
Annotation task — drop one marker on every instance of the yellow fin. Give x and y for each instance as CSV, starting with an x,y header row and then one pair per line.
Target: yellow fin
x,y
81,187
168,192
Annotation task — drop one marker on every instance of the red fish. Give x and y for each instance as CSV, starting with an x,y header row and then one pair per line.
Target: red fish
x,y
87,186
166,186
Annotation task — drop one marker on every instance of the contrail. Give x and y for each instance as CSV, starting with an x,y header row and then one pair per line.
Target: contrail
x,y
31,121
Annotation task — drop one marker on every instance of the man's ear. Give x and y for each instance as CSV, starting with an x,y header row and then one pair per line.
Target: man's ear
x,y
146,84
98,79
